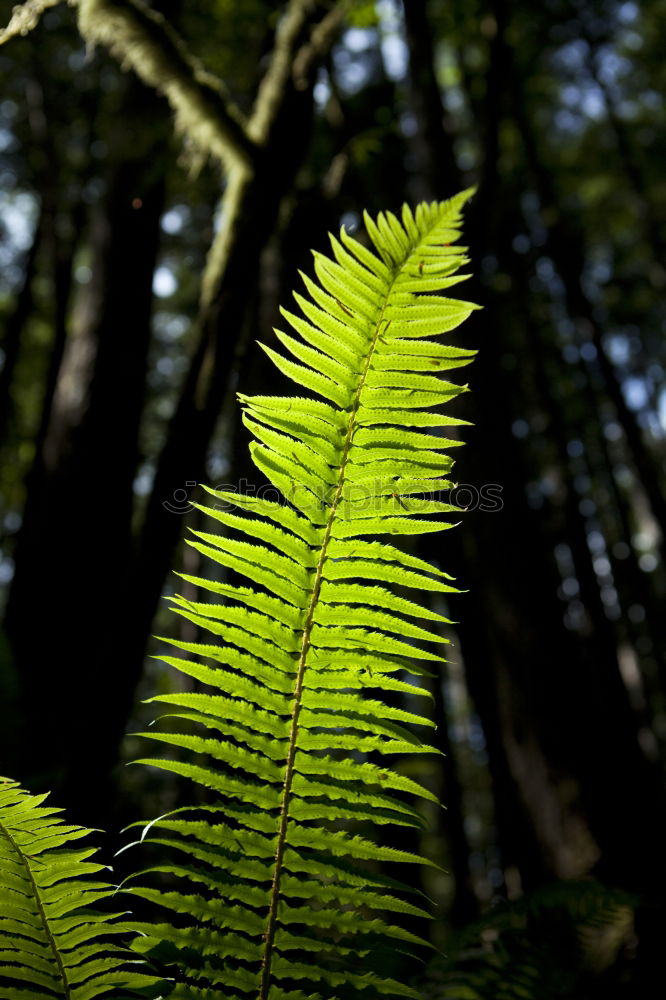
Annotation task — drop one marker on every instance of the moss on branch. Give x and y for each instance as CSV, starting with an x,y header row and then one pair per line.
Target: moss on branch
x,y
143,39
299,26
25,17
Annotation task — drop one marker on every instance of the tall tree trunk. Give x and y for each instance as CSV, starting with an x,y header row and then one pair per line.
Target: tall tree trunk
x,y
15,323
501,557
437,174
451,827
622,792
608,759
564,245
74,547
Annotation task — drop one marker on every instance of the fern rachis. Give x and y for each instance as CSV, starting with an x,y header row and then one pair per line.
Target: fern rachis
x,y
291,662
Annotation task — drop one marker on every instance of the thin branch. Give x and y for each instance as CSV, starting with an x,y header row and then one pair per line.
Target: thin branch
x,y
223,242
271,89
313,51
290,49
25,18
142,38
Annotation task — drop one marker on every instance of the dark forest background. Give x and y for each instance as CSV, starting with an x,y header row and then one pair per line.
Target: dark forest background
x,y
117,396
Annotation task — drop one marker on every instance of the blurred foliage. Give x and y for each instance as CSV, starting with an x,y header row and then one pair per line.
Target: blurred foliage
x,y
557,942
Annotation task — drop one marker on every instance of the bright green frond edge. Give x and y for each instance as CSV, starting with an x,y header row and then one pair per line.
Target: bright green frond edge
x,y
53,942
273,890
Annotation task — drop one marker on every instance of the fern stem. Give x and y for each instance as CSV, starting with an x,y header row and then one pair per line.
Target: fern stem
x,y
269,934
42,914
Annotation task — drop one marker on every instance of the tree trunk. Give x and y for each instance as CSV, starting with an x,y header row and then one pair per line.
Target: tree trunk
x,y
564,245
501,557
437,174
14,328
74,549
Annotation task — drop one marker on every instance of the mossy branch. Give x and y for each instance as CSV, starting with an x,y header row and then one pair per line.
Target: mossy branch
x,y
142,38
303,36
314,51
288,37
25,18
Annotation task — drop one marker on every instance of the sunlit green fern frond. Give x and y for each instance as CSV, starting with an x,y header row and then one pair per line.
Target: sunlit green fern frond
x,y
52,943
310,677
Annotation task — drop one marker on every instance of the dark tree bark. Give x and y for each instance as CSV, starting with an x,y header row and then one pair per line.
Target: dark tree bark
x,y
77,526
436,170
608,761
14,327
502,558
464,907
622,793
528,694
636,588
565,246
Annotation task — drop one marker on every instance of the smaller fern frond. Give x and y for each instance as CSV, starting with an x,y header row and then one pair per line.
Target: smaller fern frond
x,y
52,944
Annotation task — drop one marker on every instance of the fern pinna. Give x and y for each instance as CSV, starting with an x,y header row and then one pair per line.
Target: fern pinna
x,y
52,944
275,904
